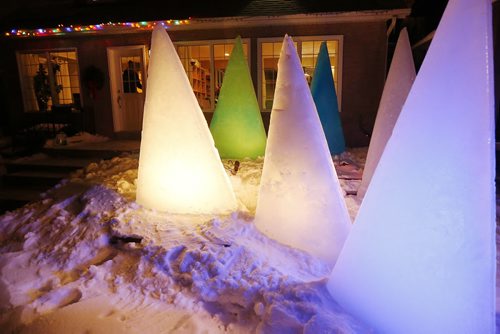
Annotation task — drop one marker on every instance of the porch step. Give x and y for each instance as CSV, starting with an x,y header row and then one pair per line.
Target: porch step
x,y
48,163
102,150
17,151
27,177
33,178
14,197
85,154
23,186
5,142
18,194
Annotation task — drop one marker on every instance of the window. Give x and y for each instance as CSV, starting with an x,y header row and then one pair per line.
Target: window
x,y
308,49
131,74
49,78
196,62
205,61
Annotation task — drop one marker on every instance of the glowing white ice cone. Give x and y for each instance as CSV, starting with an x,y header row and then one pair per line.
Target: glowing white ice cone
x,y
399,80
421,255
300,200
179,168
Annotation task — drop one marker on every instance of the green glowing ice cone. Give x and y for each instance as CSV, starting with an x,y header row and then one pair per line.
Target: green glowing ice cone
x,y
325,98
237,125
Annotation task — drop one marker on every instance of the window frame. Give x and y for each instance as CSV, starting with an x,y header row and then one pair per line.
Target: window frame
x,y
211,43
299,40
47,52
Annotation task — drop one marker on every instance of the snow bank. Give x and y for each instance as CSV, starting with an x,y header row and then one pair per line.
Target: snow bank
x,y
88,258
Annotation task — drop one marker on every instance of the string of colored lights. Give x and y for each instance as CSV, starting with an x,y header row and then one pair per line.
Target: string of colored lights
x,y
70,29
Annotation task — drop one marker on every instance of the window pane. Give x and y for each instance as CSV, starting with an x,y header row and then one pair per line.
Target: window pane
x,y
182,50
132,77
196,62
267,49
66,84
277,48
310,50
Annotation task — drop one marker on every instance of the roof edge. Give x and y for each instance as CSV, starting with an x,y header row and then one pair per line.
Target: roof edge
x,y
278,20
232,22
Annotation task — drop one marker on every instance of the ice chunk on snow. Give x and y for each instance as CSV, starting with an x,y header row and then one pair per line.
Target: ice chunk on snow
x,y
421,255
399,80
300,200
179,168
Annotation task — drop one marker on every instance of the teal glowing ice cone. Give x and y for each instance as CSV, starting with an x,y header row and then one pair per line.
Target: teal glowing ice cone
x,y
237,125
325,98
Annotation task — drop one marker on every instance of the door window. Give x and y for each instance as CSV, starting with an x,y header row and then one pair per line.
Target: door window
x,y
131,74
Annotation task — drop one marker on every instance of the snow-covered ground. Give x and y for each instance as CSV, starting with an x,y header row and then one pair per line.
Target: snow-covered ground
x,y
87,258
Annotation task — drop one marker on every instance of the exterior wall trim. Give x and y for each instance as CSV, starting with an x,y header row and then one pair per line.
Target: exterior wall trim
x,y
262,21
296,19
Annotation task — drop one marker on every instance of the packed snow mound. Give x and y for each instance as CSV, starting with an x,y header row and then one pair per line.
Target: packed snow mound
x,y
88,258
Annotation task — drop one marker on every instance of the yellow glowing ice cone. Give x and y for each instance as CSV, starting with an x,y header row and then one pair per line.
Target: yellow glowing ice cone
x,y
179,167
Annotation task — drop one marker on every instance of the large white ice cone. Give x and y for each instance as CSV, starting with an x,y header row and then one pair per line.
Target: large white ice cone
x,y
399,80
421,255
300,200
179,168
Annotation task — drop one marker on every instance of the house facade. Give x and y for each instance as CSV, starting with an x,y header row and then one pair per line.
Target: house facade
x,y
96,76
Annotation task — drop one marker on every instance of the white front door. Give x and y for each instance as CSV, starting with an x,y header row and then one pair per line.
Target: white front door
x,y
128,86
